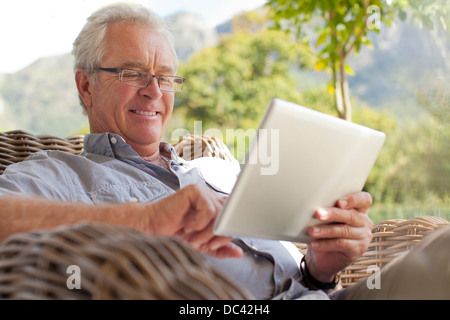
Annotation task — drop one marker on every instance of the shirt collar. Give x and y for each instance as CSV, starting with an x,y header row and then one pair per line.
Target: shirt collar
x,y
110,144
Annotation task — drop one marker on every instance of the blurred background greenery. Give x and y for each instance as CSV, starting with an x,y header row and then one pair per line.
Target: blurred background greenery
x,y
396,80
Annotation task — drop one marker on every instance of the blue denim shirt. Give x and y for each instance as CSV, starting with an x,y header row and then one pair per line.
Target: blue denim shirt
x,y
109,171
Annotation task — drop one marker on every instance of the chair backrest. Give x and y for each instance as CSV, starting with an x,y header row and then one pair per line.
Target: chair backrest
x,y
17,145
190,147
391,238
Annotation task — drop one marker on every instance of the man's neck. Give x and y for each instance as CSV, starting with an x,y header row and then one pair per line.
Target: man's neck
x,y
153,158
161,161
149,153
159,157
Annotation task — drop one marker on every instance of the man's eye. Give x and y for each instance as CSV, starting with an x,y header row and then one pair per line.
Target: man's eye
x,y
132,75
165,80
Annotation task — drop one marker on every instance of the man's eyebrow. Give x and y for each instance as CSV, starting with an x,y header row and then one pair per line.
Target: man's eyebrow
x,y
167,70
164,69
133,65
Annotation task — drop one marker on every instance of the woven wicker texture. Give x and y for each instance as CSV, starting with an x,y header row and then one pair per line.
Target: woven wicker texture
x,y
115,263
391,238
17,145
193,146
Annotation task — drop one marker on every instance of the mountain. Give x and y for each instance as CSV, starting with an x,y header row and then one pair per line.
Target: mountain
x,y
42,98
192,33
405,61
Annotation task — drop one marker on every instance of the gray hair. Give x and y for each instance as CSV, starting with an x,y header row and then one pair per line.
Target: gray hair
x,y
89,46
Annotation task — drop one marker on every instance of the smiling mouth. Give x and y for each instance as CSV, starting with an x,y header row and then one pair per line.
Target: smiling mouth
x,y
145,113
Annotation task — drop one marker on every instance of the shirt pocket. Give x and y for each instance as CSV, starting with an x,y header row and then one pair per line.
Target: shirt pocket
x,y
142,192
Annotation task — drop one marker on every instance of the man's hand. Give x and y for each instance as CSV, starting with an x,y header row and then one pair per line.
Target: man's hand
x,y
338,244
190,214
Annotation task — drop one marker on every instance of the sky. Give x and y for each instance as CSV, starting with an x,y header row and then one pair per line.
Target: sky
x,y
32,29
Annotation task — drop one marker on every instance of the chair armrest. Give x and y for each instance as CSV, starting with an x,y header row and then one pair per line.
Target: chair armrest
x,y
113,262
391,238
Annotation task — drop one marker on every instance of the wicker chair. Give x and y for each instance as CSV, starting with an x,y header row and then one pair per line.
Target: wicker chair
x,y
390,238
17,145
113,263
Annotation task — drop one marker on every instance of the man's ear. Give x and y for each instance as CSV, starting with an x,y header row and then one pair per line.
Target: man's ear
x,y
84,86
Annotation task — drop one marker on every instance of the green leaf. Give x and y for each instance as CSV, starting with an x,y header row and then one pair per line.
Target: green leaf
x,y
322,39
349,70
320,65
331,89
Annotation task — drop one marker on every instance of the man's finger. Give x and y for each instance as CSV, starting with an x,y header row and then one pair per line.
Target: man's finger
x,y
229,250
337,215
339,230
360,201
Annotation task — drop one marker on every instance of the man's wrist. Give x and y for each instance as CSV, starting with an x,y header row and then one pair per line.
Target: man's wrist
x,y
313,283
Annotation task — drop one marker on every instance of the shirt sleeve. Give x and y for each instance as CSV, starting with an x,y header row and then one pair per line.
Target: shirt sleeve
x,y
39,175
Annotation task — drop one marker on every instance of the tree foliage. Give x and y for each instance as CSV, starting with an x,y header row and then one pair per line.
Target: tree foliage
x,y
230,85
342,27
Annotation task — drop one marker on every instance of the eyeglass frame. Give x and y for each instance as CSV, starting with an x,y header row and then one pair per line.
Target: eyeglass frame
x,y
119,71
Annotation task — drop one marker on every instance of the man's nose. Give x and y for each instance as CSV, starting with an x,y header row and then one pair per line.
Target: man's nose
x,y
152,91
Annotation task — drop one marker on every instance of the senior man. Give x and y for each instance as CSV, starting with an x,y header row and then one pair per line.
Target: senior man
x,y
125,72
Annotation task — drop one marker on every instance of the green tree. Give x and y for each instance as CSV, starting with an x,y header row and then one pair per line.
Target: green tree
x,y
342,27
415,158
385,165
230,85
436,157
418,169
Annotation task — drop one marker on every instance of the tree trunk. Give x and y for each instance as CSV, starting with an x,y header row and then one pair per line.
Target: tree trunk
x,y
346,110
337,92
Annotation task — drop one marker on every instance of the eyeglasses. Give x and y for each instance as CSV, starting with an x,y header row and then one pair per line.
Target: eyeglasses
x,y
141,79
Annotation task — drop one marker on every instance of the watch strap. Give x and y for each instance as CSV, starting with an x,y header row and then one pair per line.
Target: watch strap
x,y
313,281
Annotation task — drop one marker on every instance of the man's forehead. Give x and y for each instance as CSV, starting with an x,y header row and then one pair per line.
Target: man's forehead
x,y
146,49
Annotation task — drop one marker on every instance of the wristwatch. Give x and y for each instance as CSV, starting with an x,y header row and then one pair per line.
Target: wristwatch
x,y
314,282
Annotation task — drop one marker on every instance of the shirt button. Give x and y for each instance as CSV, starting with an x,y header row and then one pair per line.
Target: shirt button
x,y
142,165
113,140
133,200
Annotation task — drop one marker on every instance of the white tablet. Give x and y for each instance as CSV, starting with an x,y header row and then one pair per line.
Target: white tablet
x,y
299,161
